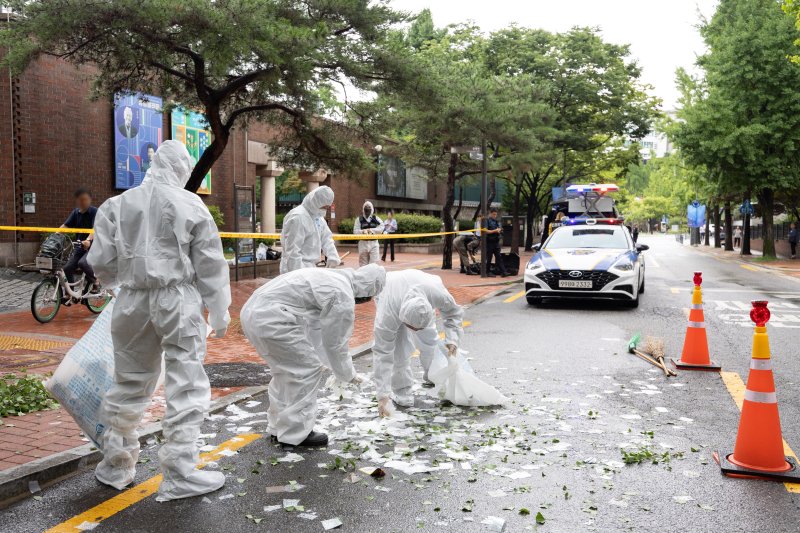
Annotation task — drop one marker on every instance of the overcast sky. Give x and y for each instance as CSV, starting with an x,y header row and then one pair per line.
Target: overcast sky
x,y
662,35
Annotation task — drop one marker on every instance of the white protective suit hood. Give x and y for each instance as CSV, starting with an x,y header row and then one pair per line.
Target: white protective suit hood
x,y
317,199
368,281
172,165
417,312
371,207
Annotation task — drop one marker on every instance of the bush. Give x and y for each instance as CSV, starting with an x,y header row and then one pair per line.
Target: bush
x,y
23,394
405,224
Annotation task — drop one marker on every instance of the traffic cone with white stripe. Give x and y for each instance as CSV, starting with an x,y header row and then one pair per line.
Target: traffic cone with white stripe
x,y
759,443
695,345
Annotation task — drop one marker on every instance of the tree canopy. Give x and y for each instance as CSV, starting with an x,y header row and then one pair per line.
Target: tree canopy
x,y
235,60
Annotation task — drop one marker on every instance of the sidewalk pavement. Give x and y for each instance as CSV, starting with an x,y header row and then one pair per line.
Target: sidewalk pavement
x,y
26,345
789,267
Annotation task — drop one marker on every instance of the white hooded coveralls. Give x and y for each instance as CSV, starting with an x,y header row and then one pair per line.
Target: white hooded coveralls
x,y
410,297
276,321
159,244
368,249
305,233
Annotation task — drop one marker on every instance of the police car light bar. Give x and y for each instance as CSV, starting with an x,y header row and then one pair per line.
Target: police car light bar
x,y
593,221
593,187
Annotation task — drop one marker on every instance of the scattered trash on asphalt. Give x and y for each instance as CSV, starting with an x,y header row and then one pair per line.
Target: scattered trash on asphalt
x,y
331,523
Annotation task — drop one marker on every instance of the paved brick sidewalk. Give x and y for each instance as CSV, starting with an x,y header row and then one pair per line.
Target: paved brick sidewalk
x,y
26,345
16,288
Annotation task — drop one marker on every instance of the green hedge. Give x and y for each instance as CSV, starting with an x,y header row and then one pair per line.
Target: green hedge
x,y
405,224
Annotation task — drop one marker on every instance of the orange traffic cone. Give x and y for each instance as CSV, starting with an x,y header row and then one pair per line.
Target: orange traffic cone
x,y
695,345
759,444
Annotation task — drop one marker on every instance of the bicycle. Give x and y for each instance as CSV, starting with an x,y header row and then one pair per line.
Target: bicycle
x,y
55,290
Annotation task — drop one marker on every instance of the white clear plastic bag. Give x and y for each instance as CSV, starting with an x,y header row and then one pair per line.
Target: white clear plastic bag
x,y
457,383
261,252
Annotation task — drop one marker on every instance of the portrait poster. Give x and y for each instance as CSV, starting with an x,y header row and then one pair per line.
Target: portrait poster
x,y
192,130
138,125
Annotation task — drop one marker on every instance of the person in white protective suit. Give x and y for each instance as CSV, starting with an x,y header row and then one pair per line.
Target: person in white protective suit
x,y
160,246
276,320
367,224
305,233
405,318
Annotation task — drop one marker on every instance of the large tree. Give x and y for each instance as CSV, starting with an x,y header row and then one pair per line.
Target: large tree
x,y
598,102
461,104
235,60
746,119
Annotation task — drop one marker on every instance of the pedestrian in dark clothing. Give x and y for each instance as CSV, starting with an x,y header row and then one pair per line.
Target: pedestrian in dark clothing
x,y
82,217
793,239
493,232
389,227
635,234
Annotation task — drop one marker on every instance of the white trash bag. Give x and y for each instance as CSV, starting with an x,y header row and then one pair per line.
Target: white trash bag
x,y
261,252
85,375
457,383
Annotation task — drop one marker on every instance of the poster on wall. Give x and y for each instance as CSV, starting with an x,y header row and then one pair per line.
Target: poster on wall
x,y
191,129
137,134
391,177
416,183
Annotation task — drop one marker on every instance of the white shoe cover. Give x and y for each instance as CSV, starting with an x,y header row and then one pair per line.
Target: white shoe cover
x,y
117,477
196,483
405,400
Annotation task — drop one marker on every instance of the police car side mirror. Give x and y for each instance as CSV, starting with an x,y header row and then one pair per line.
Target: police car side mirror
x,y
536,247
642,247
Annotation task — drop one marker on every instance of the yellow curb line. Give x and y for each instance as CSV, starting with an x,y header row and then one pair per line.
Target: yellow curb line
x,y
514,297
751,268
134,495
735,385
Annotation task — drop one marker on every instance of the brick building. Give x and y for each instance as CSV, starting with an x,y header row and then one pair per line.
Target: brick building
x,y
54,139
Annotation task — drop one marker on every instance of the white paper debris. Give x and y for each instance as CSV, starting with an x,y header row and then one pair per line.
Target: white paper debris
x,y
495,523
87,526
682,499
331,523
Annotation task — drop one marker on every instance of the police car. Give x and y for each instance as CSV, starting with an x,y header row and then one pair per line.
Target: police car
x,y
587,256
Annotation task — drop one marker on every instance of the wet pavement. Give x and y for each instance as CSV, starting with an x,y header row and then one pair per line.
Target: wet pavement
x,y
553,459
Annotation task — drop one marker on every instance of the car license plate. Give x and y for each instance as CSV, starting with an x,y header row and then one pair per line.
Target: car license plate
x,y
44,263
574,284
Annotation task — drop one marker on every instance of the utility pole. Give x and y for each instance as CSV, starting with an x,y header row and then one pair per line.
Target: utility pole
x,y
484,210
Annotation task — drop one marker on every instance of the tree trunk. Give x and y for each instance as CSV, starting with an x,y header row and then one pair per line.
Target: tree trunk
x,y
460,203
492,191
515,217
717,228
766,199
214,151
447,215
746,232
728,227
708,229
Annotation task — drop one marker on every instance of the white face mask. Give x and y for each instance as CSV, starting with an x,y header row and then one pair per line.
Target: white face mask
x,y
323,213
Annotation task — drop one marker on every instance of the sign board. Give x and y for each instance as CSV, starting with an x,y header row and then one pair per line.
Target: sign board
x,y
138,125
191,129
416,183
391,177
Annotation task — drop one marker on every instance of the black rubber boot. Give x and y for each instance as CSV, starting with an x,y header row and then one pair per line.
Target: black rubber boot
x,y
314,439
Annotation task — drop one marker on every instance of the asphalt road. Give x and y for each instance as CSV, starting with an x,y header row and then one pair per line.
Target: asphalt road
x,y
578,400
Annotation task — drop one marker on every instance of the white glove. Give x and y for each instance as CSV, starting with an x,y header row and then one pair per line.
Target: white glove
x,y
220,324
333,262
452,350
385,407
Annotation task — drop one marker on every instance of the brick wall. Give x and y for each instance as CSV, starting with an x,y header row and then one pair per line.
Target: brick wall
x,y
64,141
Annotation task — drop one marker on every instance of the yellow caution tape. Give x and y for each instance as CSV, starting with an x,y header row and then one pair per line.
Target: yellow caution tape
x,y
242,235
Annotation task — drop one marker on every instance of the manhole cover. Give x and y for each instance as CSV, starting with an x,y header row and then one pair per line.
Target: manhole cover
x,y
237,374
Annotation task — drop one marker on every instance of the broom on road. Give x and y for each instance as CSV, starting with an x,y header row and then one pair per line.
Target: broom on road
x,y
632,348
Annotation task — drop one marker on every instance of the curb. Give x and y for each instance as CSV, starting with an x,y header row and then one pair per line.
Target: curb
x,y
54,468
722,257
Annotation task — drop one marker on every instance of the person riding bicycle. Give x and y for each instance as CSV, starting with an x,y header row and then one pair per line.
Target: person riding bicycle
x,y
82,217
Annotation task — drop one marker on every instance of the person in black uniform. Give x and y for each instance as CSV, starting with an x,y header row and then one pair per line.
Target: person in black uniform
x,y
493,232
82,217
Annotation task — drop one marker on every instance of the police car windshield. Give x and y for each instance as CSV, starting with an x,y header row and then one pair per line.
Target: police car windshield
x,y
595,237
